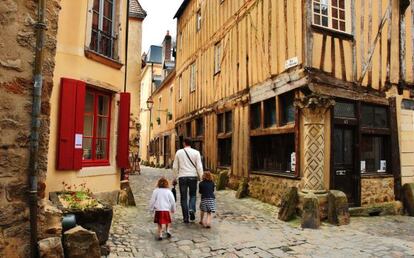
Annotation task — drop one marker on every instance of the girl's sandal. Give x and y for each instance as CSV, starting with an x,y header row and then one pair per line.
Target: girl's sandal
x,y
201,223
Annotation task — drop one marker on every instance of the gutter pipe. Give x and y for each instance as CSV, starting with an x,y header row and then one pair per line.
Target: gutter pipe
x,y
35,126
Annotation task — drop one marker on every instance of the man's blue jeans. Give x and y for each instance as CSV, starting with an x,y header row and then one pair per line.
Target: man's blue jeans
x,y
188,185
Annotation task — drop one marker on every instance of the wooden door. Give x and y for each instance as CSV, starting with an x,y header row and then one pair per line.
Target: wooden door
x,y
344,176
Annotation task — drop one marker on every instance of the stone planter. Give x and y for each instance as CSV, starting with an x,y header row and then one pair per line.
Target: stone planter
x,y
97,220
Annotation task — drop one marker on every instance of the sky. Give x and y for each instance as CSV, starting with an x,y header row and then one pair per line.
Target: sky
x,y
159,19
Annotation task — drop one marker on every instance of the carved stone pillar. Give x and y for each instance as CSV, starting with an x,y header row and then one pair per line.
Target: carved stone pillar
x,y
314,108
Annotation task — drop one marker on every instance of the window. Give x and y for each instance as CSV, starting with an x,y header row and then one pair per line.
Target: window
x,y
96,127
374,156
255,112
199,127
193,77
159,110
344,110
180,88
224,143
188,129
225,122
332,14
273,153
270,112
374,116
170,108
103,35
224,152
198,20
181,40
287,108
217,58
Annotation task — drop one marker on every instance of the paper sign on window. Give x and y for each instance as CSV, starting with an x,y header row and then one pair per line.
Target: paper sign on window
x,y
293,161
383,166
78,141
363,166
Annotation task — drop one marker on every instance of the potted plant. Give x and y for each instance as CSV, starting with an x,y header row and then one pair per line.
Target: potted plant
x,y
158,120
89,212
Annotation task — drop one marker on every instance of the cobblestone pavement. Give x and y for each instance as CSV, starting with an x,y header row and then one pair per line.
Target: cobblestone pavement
x,y
248,228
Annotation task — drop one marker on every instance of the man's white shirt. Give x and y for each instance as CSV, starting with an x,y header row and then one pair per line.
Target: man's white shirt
x,y
182,165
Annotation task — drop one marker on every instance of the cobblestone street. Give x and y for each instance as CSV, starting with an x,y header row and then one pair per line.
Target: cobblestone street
x,y
248,228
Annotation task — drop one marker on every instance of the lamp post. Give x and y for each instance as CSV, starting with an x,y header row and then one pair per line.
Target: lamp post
x,y
150,104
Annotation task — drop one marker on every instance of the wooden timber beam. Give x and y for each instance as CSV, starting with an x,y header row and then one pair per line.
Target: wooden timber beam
x,y
368,63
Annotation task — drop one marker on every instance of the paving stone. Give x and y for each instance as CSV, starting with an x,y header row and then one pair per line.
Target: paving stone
x,y
249,228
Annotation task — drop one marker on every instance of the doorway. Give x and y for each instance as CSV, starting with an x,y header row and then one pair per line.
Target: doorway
x,y
343,173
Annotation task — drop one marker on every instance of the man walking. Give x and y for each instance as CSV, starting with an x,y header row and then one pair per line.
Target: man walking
x,y
188,168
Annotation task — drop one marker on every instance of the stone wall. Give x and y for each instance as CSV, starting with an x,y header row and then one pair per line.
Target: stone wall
x,y
377,190
270,188
17,19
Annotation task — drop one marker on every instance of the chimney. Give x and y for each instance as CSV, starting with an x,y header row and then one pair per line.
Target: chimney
x,y
167,47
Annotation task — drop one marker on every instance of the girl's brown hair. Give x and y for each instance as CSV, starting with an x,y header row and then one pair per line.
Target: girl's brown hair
x,y
162,183
207,176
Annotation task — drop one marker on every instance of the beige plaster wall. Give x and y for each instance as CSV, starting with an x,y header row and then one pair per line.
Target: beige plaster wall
x,y
71,62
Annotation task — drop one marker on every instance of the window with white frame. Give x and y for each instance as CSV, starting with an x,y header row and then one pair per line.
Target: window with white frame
x,y
217,58
332,14
198,20
193,77
103,28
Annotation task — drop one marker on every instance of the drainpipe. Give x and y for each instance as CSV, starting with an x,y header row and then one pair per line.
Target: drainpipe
x,y
126,66
35,125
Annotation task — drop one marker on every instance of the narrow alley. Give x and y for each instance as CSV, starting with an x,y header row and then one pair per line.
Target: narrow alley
x,y
248,228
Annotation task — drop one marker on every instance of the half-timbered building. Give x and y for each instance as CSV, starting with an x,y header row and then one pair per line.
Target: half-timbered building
x,y
306,93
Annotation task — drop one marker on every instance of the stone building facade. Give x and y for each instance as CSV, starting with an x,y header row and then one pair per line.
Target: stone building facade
x,y
17,43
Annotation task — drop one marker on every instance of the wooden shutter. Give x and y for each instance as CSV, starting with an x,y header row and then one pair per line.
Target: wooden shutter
x,y
72,105
123,131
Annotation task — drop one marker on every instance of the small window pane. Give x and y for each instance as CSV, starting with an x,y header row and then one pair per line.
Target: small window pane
x,y
316,8
270,112
255,116
88,125
342,4
108,10
342,26
87,148
367,113
229,121
200,127
344,110
342,15
334,13
96,5
101,150
89,102
381,118
102,127
334,2
317,19
335,24
95,21
224,152
287,108
220,123
373,152
325,21
324,9
107,26
103,105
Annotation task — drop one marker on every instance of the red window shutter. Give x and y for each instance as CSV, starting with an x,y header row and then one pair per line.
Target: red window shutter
x,y
72,104
123,131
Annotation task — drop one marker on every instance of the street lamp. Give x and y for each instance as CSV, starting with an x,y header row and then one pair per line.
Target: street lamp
x,y
150,104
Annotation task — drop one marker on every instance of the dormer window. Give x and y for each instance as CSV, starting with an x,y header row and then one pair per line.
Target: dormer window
x,y
332,14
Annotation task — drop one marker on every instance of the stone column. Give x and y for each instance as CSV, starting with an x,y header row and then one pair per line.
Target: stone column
x,y
314,108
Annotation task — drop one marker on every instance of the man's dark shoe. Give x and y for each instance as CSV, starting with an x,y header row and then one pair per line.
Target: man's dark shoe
x,y
186,221
168,235
192,215
159,238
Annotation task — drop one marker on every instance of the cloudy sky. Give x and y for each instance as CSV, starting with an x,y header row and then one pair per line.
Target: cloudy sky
x,y
159,20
